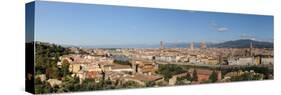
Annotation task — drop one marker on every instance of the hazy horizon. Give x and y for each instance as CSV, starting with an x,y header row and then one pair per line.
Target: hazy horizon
x,y
167,44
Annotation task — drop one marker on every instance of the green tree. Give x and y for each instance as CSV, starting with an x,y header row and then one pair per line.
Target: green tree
x,y
168,70
42,87
71,83
188,77
65,68
52,72
213,77
180,82
150,83
122,62
130,84
88,84
194,76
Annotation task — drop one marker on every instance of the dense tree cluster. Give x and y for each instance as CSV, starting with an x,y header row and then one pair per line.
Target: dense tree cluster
x,y
247,76
169,70
46,57
262,70
121,62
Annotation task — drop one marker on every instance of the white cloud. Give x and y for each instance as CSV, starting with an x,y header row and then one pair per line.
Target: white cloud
x,y
222,29
218,27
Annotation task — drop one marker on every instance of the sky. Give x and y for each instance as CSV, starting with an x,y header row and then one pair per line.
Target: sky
x,y
90,24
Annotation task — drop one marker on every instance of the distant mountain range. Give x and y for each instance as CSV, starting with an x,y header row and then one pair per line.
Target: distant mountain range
x,y
242,43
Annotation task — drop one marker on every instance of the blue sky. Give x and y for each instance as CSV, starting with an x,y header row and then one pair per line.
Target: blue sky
x,y
89,24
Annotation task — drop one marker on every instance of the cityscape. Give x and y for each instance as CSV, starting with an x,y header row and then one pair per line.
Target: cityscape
x,y
114,68
100,47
